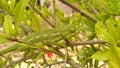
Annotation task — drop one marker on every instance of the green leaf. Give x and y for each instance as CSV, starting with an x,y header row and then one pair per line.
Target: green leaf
x,y
114,56
41,55
45,11
111,28
35,21
8,26
2,38
90,26
19,11
12,5
1,18
2,62
103,33
101,55
2,3
118,30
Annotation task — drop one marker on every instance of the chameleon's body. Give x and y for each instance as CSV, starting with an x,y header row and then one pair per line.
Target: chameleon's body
x,y
47,37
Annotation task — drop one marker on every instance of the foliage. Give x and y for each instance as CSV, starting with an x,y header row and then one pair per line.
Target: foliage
x,y
26,27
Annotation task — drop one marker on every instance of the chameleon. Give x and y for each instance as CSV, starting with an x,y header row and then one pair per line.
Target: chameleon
x,y
46,37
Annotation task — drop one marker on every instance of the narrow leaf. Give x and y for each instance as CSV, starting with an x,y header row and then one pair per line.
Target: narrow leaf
x,y
101,55
103,33
8,26
112,30
19,11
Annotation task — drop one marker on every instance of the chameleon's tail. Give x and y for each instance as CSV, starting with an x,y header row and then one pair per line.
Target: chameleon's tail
x,y
9,49
16,47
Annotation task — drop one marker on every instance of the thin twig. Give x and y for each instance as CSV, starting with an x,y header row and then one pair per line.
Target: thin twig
x,y
26,28
36,64
69,60
54,63
73,64
82,43
45,61
66,57
54,13
15,62
102,65
88,42
2,11
39,13
78,10
20,60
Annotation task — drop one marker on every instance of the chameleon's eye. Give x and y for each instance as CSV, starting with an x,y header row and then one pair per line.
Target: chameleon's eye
x,y
72,29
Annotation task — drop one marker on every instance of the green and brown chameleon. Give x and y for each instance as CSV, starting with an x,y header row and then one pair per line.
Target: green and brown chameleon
x,y
46,37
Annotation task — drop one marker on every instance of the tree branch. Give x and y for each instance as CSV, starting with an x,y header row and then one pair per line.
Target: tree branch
x,y
39,13
54,13
83,43
69,60
88,42
26,28
78,10
73,64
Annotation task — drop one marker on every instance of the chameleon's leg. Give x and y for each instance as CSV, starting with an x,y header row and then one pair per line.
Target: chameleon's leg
x,y
28,53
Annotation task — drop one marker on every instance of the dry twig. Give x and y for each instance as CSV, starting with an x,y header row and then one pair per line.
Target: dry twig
x,y
39,13
78,10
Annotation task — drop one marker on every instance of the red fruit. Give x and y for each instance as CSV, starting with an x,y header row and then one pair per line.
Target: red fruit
x,y
49,54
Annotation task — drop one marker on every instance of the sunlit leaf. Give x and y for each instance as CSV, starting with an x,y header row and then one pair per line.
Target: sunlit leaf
x,y
103,33
111,28
114,57
35,21
101,55
12,5
2,3
19,11
45,11
1,18
8,26
118,30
